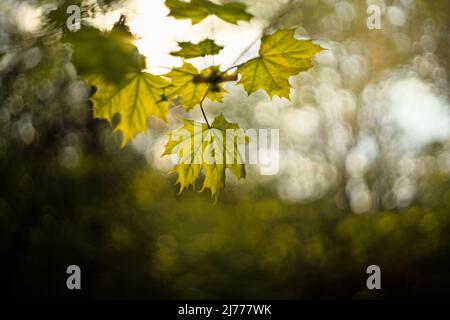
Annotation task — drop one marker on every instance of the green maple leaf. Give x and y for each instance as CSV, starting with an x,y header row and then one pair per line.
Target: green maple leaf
x,y
189,50
192,87
280,57
139,96
110,53
210,150
197,10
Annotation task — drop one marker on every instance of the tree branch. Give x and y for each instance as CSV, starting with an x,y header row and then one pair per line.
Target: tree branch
x,y
281,13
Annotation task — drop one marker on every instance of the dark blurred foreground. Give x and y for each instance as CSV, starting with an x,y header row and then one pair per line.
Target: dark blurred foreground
x,y
134,238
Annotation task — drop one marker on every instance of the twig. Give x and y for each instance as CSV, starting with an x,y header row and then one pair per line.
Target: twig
x,y
276,18
249,47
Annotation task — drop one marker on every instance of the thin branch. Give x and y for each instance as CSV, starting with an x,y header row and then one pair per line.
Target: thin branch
x,y
249,47
160,67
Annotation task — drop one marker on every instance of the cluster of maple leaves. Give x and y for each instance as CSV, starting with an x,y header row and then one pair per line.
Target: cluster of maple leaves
x,y
140,94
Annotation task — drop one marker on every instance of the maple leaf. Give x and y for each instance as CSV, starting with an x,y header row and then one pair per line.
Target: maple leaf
x,y
189,50
280,57
192,87
139,96
110,53
210,150
197,10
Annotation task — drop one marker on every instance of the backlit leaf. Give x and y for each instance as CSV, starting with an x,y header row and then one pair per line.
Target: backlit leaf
x,y
210,151
189,50
139,96
190,86
280,57
197,10
110,54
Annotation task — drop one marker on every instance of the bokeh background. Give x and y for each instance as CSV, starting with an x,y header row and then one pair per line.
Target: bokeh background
x,y
364,159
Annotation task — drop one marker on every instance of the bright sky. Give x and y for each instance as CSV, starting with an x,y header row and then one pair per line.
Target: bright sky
x,y
159,33
423,117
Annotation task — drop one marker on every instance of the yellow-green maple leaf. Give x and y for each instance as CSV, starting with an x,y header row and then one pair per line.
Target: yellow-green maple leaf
x,y
190,50
191,86
210,150
197,10
280,57
111,54
139,96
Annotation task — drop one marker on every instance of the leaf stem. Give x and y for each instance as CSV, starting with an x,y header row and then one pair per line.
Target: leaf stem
x,y
233,67
203,111
204,115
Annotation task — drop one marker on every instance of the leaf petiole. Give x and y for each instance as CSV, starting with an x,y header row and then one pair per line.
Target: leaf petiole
x,y
203,111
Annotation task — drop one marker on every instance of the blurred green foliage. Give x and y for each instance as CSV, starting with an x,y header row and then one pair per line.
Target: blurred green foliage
x,y
438,9
133,238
